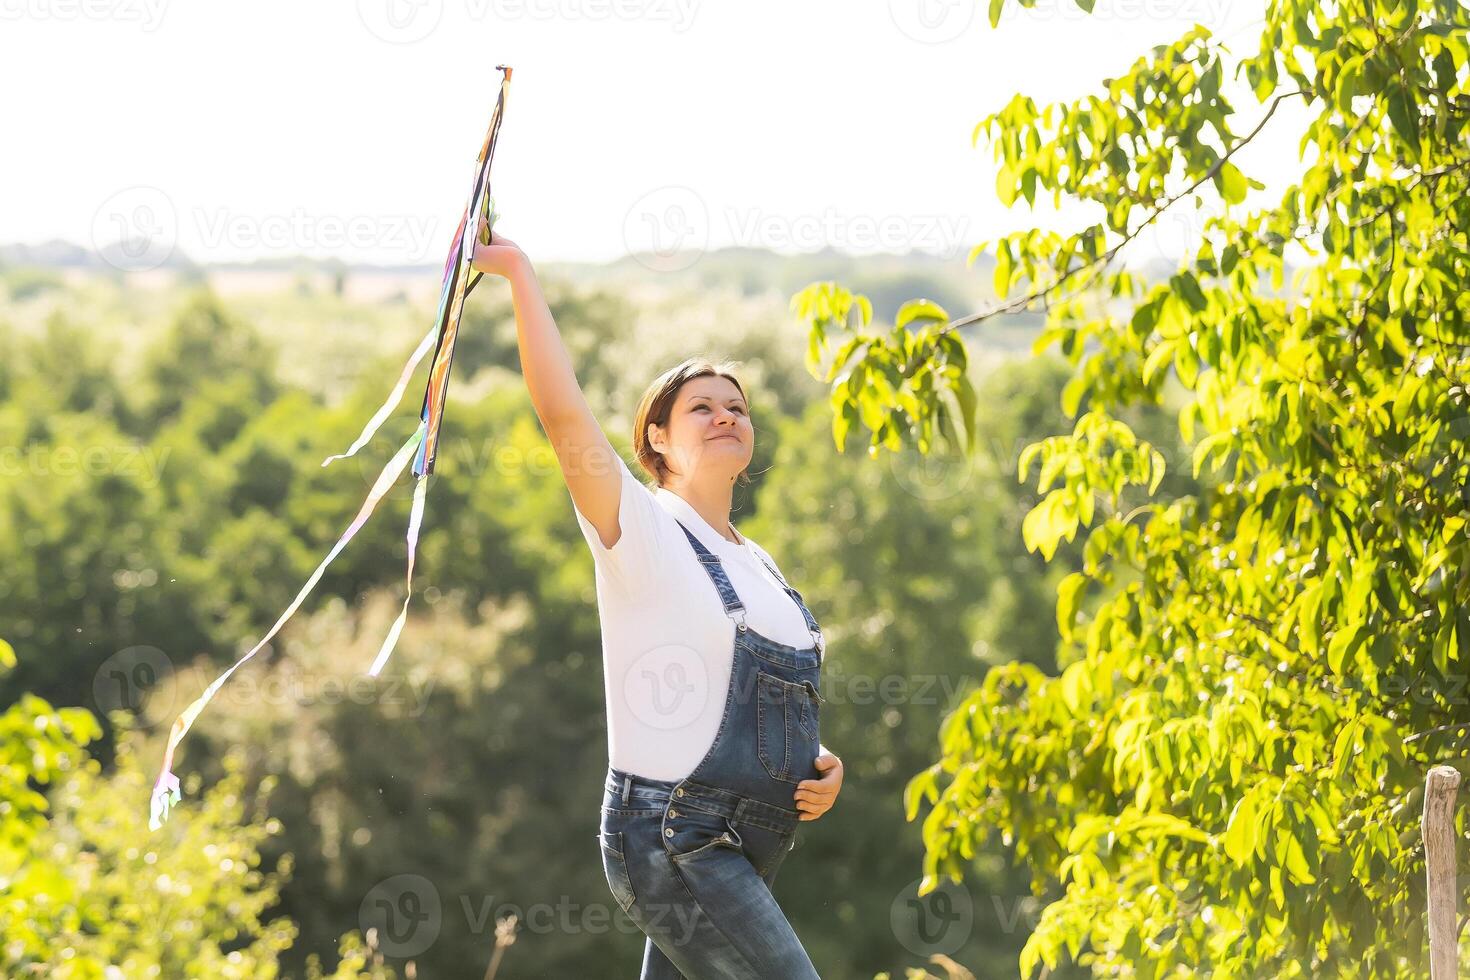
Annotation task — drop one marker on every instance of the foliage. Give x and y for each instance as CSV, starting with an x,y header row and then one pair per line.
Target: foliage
x,y
1225,773
178,512
89,893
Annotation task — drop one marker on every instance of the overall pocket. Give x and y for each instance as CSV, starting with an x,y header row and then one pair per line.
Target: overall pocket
x,y
788,726
689,832
615,868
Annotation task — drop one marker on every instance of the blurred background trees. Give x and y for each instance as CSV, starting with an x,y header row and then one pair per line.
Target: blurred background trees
x,y
163,500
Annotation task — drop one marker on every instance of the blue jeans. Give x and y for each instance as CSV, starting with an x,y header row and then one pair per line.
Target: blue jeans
x,y
692,866
691,861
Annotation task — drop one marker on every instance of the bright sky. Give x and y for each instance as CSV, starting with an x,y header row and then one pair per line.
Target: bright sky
x,y
349,127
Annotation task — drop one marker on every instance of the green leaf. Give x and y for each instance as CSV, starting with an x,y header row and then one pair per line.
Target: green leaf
x,y
1156,471
1337,649
924,785
1232,183
1240,832
1069,592
1404,115
1002,282
920,310
1289,851
1208,446
969,407
1162,354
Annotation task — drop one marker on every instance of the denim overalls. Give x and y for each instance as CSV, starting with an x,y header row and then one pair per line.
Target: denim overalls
x,y
691,861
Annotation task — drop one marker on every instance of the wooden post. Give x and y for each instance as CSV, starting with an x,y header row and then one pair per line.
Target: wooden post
x,y
1439,857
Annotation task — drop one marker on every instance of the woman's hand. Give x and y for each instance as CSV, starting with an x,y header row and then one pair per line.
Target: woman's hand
x,y
815,797
502,257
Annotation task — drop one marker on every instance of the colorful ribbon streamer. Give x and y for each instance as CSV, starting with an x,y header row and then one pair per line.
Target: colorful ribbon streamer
x,y
420,449
166,790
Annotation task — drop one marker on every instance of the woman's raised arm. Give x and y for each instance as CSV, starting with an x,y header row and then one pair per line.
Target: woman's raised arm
x,y
588,461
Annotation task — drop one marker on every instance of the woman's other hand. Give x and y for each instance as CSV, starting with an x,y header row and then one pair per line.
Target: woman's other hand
x,y
815,797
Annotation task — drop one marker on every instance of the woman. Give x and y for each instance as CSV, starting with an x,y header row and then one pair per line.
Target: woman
x,y
711,662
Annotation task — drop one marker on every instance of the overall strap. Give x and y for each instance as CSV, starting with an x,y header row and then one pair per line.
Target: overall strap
x,y
811,622
734,608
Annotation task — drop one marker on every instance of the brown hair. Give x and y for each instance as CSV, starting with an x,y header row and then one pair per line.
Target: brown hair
x,y
657,404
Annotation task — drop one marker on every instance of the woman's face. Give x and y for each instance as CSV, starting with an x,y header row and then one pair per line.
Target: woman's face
x,y
709,431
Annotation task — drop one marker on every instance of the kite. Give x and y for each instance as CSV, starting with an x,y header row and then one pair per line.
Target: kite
x,y
420,449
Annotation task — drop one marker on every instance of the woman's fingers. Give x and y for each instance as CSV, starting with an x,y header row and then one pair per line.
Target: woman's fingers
x,y
811,811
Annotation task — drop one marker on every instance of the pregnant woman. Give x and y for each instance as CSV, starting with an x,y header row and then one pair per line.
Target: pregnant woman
x,y
712,662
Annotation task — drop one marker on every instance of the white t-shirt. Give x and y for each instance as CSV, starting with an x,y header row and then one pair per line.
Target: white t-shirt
x,y
667,643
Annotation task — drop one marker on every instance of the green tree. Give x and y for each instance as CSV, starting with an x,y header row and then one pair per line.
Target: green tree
x,y
207,347
90,893
1225,773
